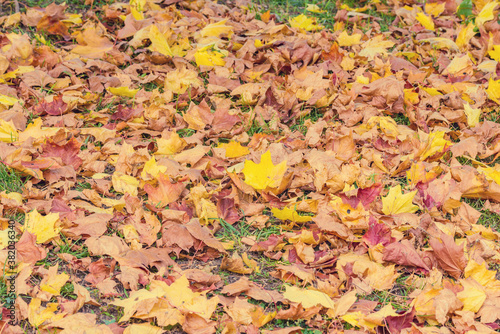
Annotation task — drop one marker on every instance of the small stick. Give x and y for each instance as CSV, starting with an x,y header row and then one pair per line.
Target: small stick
x,y
16,6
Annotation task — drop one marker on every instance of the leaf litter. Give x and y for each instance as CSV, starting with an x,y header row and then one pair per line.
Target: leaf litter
x,y
201,167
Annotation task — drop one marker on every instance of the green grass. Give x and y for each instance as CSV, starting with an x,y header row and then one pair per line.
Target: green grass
x,y
10,180
488,218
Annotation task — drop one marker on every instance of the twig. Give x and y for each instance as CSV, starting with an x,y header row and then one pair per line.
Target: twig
x,y
16,6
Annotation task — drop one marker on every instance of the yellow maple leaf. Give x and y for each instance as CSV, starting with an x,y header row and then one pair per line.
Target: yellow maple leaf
x,y
465,34
234,149
180,79
479,272
37,131
123,183
303,22
435,9
8,132
486,14
425,21
44,227
491,173
495,53
37,314
314,9
180,296
308,298
493,90
473,295
374,46
123,91
209,55
264,174
217,29
136,9
434,143
472,114
411,96
152,169
396,202
345,39
290,214
170,146
53,282
159,42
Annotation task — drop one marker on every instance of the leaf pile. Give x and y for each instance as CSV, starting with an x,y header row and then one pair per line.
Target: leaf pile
x,y
200,166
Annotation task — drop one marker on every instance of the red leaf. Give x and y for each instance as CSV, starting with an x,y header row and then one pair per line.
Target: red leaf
x,y
404,254
55,108
377,234
67,152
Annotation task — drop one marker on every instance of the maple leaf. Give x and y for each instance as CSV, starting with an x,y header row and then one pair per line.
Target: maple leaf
x,y
264,174
473,295
166,192
159,42
486,14
345,40
493,90
210,56
217,29
449,255
303,22
234,149
45,227
123,183
180,79
396,202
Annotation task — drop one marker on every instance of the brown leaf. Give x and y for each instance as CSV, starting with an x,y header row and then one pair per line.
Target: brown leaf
x,y
449,255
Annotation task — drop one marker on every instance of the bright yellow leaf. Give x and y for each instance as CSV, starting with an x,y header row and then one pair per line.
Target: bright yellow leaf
x,y
152,169
44,228
396,202
435,9
234,149
264,174
425,21
486,14
465,35
493,90
411,96
8,132
136,9
495,53
491,173
473,114
159,42
479,272
345,39
123,183
473,295
7,100
123,91
434,143
290,214
308,298
53,282
37,314
303,22
210,56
